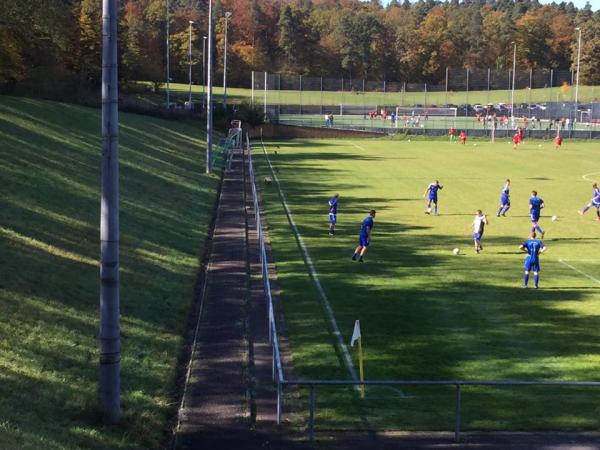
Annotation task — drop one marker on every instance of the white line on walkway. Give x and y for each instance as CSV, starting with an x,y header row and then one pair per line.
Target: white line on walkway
x,y
579,271
356,145
585,177
313,274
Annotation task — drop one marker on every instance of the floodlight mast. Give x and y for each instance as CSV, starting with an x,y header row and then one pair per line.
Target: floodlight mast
x,y
168,61
110,333
227,16
209,112
577,79
512,92
190,64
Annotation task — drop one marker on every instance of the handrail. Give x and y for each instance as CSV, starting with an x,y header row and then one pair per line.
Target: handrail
x,y
278,374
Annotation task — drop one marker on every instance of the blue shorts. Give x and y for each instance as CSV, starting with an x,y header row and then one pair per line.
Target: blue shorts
x,y
332,218
535,216
433,198
363,240
504,199
477,236
532,264
596,204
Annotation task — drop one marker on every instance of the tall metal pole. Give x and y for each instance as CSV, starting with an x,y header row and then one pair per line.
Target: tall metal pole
x,y
512,92
203,67
209,112
227,16
168,61
190,63
110,344
577,79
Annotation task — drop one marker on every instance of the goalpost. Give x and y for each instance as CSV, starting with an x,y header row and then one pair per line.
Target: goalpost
x,y
414,115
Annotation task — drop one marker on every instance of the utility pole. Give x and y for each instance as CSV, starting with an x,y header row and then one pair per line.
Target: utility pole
x,y
190,64
110,334
227,16
209,112
168,62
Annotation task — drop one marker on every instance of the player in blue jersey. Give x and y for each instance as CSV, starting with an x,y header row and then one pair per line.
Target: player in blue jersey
x,y
595,202
535,210
504,199
333,204
533,247
364,237
433,189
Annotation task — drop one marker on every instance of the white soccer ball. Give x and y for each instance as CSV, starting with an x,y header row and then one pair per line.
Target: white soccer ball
x,y
540,145
474,145
554,218
409,140
456,251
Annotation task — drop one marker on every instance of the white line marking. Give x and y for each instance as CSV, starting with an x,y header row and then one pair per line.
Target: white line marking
x,y
585,177
313,274
357,146
579,271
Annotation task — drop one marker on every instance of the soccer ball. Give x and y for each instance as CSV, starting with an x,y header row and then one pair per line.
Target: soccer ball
x,y
474,145
554,218
456,251
540,145
409,140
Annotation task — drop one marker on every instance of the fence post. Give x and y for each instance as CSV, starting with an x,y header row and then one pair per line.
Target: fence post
x,y
311,418
321,95
253,88
301,94
457,415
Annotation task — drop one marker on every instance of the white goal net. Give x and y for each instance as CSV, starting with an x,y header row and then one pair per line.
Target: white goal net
x,y
422,111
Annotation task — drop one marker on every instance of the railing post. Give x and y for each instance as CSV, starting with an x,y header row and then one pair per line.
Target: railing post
x,y
311,418
279,400
457,415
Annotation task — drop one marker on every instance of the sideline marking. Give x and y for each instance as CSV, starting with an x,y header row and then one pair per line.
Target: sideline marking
x,y
585,177
579,271
356,145
313,274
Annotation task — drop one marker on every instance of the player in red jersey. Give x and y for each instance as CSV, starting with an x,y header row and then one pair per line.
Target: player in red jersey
x,y
463,137
516,139
452,133
558,141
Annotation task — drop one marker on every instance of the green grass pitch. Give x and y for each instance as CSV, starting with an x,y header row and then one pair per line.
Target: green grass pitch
x,y
426,313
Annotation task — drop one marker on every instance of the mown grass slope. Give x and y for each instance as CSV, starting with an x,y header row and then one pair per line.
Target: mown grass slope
x,y
49,273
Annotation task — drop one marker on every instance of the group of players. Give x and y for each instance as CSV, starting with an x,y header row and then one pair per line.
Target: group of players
x,y
518,138
532,246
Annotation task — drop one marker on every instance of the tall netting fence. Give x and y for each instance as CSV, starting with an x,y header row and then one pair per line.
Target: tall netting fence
x,y
542,101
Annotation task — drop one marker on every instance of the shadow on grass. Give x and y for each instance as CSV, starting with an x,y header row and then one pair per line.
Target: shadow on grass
x,y
49,290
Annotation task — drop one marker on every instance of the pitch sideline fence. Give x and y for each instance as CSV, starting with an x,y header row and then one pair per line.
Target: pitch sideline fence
x,y
542,97
312,384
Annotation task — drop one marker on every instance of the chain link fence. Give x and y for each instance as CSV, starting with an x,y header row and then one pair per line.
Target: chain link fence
x,y
541,101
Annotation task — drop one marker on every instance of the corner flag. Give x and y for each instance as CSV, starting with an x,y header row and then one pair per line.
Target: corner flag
x,y
355,333
356,336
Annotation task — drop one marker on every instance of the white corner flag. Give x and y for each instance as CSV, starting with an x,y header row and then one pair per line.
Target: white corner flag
x,y
355,333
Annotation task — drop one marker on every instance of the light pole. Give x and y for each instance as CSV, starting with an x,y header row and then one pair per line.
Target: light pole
x,y
110,331
190,64
203,67
227,16
577,79
168,68
512,92
209,111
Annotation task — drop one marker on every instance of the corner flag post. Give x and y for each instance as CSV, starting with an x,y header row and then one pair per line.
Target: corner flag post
x,y
356,336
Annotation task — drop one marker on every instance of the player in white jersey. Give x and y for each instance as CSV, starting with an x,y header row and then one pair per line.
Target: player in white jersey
x,y
479,223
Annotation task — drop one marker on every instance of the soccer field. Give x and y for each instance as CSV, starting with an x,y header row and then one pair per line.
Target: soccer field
x,y
426,313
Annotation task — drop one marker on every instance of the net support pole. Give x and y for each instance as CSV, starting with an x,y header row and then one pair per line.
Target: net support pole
x,y
446,85
265,94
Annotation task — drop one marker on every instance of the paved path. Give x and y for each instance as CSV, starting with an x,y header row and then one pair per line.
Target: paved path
x,y
229,399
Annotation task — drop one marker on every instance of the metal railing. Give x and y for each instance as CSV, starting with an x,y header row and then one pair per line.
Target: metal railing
x,y
277,367
278,373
